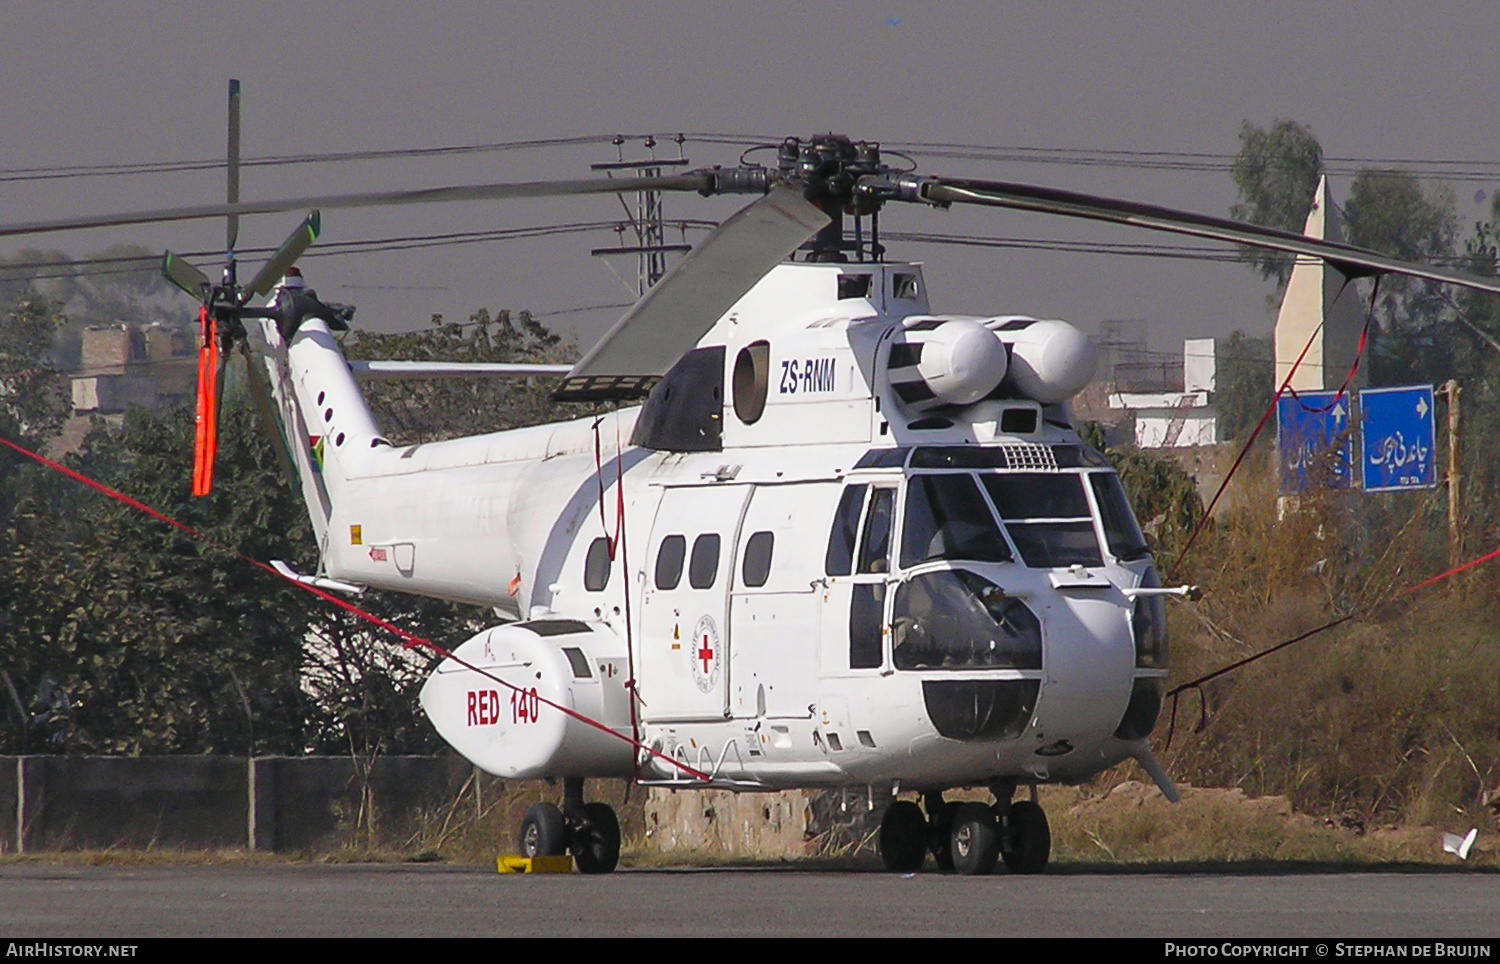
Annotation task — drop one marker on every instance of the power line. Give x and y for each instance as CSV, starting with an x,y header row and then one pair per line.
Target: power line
x,y
1436,169
277,160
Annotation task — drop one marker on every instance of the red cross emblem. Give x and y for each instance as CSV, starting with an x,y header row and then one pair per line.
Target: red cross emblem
x,y
705,655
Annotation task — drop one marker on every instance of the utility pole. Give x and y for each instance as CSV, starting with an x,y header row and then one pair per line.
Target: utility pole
x,y
1450,389
646,223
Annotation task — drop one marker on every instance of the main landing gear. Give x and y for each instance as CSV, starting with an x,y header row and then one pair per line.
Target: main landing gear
x,y
590,831
969,838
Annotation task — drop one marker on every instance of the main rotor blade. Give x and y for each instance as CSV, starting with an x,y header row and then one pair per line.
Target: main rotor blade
x,y
185,276
262,399
1351,261
703,182
232,182
291,249
671,317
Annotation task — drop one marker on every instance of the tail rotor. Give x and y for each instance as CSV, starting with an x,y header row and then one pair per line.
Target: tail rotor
x,y
223,307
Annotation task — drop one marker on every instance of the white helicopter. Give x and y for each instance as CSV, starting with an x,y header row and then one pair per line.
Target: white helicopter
x,y
844,541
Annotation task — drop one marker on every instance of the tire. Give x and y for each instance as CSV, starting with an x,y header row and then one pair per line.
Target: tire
x,y
596,842
975,839
1028,839
543,833
940,838
903,837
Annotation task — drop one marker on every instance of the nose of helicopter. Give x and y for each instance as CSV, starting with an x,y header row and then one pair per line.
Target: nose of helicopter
x,y
1088,671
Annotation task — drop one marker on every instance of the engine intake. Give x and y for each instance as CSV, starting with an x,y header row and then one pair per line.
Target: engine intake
x,y
936,361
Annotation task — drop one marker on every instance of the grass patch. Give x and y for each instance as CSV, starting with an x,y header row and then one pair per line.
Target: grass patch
x,y
1133,824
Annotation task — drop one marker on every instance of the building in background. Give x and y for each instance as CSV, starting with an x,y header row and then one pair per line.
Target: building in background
x,y
123,365
1320,313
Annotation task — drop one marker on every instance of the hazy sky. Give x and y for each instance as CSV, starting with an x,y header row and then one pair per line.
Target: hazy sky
x,y
91,83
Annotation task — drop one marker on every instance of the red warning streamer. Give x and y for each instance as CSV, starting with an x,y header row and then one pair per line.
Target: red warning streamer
x,y
411,640
205,427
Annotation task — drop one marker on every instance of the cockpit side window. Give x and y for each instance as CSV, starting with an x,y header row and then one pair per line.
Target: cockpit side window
x,y
1047,516
1121,531
839,560
875,542
947,518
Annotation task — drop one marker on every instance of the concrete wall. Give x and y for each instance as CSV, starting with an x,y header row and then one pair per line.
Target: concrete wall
x,y
270,803
792,823
8,774
299,806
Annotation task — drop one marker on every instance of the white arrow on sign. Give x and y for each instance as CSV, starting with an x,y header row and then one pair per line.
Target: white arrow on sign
x,y
1422,406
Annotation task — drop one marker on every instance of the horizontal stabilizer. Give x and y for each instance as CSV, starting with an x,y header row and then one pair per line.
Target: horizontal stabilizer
x,y
373,371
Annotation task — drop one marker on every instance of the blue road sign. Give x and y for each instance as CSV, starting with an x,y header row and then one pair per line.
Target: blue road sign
x,y
1314,445
1398,449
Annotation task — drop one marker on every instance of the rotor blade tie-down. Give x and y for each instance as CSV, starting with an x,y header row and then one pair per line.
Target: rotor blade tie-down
x,y
411,640
1359,350
619,541
1197,684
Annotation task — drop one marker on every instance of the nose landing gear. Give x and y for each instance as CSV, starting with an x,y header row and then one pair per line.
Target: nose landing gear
x,y
591,831
969,838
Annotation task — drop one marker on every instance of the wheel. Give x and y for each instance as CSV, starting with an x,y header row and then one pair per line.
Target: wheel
x,y
544,833
940,839
975,839
596,841
1028,839
903,837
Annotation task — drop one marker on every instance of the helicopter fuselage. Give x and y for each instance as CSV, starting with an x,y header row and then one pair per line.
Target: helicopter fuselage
x,y
825,559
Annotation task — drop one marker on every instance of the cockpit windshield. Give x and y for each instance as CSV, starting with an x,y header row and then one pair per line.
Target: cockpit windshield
x,y
1047,515
947,518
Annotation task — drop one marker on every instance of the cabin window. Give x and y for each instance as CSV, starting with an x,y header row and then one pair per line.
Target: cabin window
x,y
669,558
875,543
757,566
596,565
704,564
866,618
947,518
1047,516
839,561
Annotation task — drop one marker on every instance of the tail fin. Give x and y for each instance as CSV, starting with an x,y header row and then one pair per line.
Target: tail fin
x,y
324,421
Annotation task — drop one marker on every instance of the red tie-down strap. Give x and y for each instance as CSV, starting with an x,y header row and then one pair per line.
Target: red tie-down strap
x,y
409,639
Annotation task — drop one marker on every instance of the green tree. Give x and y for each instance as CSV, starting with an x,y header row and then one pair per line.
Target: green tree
x,y
1245,383
1390,212
1276,171
34,399
424,410
1164,497
163,644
